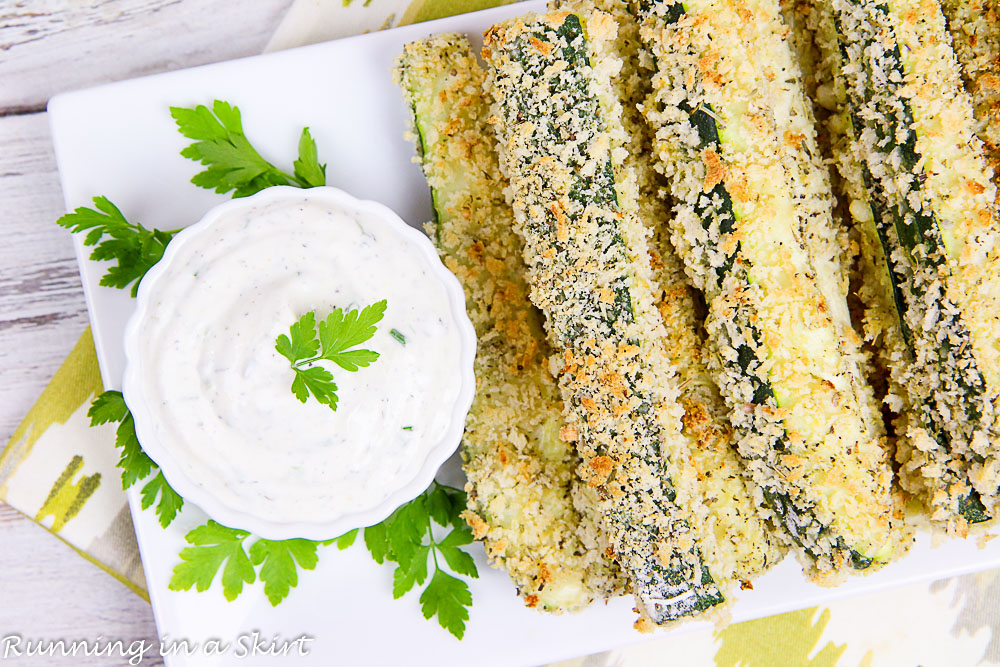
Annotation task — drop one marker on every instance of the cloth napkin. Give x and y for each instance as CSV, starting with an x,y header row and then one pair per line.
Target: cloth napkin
x,y
61,472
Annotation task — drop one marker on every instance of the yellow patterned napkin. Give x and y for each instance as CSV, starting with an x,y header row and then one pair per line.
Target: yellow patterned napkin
x,y
61,473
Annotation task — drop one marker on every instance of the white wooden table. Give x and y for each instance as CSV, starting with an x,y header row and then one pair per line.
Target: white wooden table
x,y
47,46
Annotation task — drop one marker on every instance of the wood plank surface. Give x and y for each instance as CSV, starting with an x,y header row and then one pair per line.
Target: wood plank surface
x,y
48,592
42,312
49,46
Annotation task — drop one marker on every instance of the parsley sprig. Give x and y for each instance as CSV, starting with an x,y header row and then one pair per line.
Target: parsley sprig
x,y
407,539
216,547
135,465
332,341
232,163
134,248
213,546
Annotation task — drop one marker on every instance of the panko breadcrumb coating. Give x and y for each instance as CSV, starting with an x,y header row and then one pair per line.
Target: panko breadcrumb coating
x,y
975,28
526,502
744,544
922,206
753,223
563,150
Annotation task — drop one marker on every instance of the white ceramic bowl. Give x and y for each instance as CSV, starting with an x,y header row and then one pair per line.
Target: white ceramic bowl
x,y
137,381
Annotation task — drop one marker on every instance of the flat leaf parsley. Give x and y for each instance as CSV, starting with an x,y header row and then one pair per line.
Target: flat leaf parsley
x,y
407,539
214,547
231,162
336,335
135,465
134,248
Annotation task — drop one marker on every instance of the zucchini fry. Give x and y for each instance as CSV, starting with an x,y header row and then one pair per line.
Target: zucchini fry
x,y
923,210
562,147
743,544
753,223
522,476
975,28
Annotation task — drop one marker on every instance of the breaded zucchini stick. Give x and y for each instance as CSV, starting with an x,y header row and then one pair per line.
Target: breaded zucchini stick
x,y
923,208
522,476
562,147
975,28
744,545
753,224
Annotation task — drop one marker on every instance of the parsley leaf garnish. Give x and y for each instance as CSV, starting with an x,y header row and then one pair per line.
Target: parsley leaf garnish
x,y
449,598
278,561
307,170
232,164
214,547
135,465
407,539
108,407
346,540
332,341
231,161
134,248
170,502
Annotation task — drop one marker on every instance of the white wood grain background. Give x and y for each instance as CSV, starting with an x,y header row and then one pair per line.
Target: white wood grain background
x,y
47,46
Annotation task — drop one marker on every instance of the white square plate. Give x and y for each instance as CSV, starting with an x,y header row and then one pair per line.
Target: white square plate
x,y
119,140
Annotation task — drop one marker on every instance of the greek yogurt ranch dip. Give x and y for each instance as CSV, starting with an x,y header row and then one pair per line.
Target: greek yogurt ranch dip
x,y
218,395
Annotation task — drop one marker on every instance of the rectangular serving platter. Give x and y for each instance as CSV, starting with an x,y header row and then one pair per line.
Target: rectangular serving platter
x,y
118,140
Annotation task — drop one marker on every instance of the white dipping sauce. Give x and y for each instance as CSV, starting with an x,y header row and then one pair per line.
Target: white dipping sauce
x,y
220,395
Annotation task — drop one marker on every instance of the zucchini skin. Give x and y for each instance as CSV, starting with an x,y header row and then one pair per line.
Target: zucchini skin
x,y
717,208
526,502
924,211
777,304
744,544
562,148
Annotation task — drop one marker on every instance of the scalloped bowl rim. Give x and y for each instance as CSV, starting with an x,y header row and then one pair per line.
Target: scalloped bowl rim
x,y
134,388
